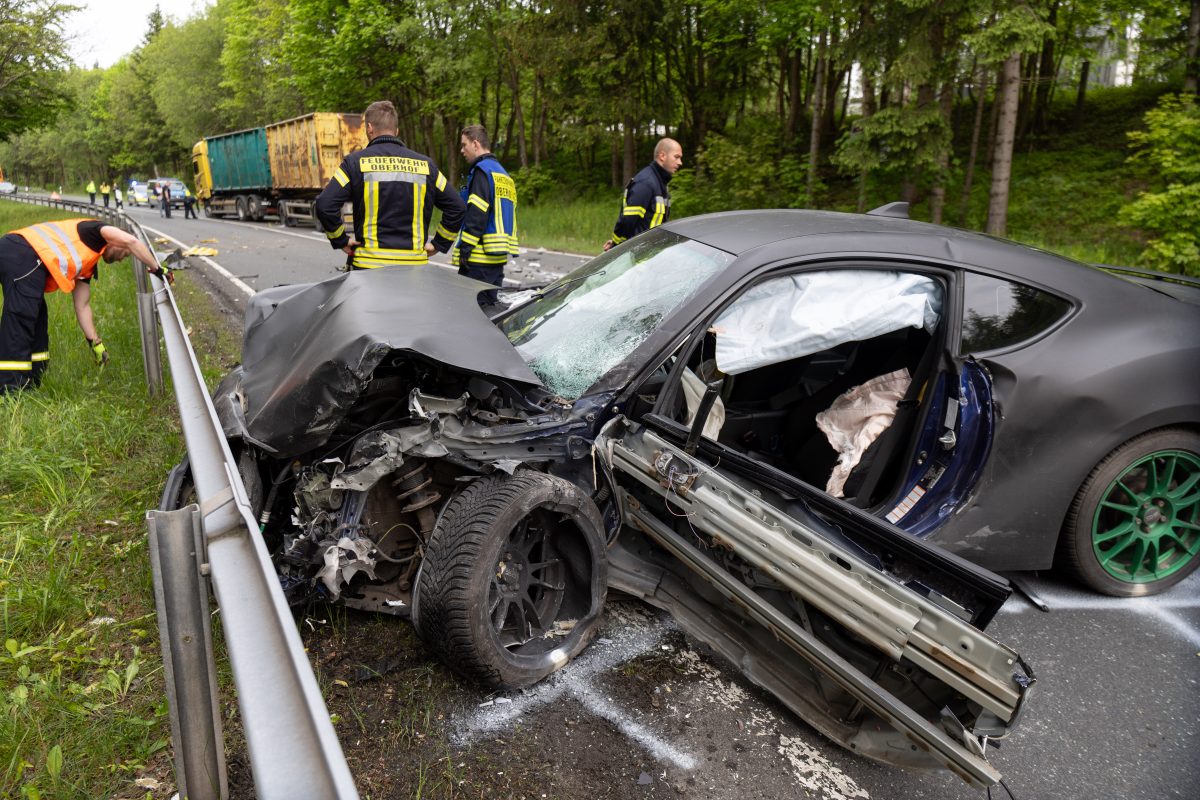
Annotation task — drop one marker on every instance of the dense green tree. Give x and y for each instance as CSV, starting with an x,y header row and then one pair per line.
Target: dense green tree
x,y
1171,144
33,59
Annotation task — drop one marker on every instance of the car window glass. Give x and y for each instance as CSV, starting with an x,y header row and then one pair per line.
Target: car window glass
x,y
999,313
597,315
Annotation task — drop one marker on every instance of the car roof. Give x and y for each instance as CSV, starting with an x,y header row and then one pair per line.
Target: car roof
x,y
782,233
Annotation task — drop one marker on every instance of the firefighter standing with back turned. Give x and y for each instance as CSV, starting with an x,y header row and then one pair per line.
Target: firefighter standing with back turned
x,y
393,190
39,259
647,202
489,230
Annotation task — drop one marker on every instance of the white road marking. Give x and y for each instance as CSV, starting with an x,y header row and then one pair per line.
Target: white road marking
x,y
1161,608
811,770
1172,620
590,699
310,236
634,638
1098,603
631,634
816,773
226,274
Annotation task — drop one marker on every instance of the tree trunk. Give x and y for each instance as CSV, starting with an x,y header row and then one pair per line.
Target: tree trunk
x,y
1045,78
997,219
868,108
615,161
990,148
1191,80
629,151
451,131
519,115
795,99
937,195
814,139
539,141
1081,94
508,135
975,131
495,129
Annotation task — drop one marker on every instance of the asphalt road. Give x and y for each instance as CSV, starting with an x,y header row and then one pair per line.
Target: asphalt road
x,y
265,254
1115,715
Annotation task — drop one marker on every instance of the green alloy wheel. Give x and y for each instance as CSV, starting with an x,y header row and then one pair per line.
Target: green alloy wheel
x,y
1134,528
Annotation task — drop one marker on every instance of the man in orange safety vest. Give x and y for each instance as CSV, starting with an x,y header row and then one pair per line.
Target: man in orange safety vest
x,y
60,255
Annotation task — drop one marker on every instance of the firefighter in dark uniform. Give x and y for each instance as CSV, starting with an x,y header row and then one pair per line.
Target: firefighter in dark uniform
x,y
489,230
47,257
394,190
647,202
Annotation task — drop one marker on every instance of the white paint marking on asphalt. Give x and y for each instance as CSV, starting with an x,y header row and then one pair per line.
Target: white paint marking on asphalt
x,y
1076,603
811,770
634,638
1181,626
226,274
310,236
593,702
816,773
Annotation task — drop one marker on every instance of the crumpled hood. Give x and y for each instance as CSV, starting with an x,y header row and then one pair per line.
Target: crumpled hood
x,y
309,350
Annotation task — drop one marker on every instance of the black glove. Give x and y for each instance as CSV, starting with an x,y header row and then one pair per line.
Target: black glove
x,y
164,273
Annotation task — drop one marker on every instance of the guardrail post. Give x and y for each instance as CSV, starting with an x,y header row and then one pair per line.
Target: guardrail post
x,y
181,601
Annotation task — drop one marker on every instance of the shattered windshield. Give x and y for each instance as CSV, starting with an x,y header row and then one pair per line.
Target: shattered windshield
x,y
587,322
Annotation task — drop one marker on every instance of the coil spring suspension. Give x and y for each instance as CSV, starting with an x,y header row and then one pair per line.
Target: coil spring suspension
x,y
412,490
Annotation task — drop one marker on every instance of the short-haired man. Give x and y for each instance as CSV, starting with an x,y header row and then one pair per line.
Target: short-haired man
x,y
647,201
489,229
391,188
47,257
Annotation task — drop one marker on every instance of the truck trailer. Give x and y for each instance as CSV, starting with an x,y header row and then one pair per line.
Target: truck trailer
x,y
276,169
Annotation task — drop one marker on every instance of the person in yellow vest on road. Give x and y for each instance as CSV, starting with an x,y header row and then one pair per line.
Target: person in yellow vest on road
x,y
60,255
105,190
91,190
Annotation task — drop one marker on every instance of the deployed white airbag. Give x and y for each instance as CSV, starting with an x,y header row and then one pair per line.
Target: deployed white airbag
x,y
797,315
856,419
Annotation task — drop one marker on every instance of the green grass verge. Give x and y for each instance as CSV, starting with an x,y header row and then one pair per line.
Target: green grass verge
x,y
82,706
573,224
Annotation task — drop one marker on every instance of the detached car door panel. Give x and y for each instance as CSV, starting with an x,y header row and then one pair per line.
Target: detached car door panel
x,y
912,661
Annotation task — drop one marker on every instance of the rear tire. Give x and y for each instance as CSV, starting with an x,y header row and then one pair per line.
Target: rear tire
x,y
243,208
1134,527
254,205
514,579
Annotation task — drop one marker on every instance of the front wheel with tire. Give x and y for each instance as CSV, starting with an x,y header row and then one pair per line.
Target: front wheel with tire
x,y
514,578
1134,527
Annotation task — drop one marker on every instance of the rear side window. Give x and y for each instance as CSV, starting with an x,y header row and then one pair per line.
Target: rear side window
x,y
999,313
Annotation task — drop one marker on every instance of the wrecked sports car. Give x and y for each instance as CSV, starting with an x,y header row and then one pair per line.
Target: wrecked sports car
x,y
660,423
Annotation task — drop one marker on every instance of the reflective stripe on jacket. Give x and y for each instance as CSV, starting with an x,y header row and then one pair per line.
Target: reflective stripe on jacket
x,y
391,188
61,251
489,230
647,203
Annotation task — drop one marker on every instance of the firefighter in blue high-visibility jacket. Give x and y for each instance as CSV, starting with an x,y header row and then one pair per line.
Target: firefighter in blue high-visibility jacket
x,y
393,190
647,201
489,230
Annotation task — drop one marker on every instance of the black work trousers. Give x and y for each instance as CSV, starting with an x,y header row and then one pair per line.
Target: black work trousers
x,y
24,323
488,273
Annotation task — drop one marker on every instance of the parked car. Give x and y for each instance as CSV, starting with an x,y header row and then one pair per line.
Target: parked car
x,y
659,422
7,188
177,191
138,194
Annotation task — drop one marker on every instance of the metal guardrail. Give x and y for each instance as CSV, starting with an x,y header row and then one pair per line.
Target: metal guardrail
x,y
294,751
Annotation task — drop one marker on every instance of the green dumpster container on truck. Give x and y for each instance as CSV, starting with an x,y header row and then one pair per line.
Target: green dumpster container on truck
x,y
277,169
